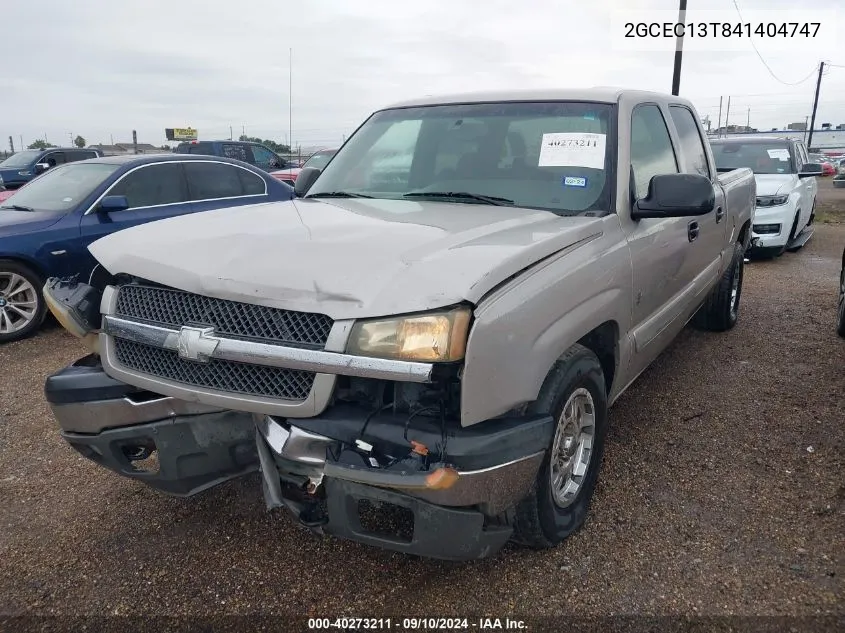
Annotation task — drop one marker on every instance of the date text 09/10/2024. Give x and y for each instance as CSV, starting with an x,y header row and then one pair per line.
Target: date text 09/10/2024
x,y
413,624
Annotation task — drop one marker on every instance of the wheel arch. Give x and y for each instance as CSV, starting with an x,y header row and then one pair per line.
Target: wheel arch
x,y
30,263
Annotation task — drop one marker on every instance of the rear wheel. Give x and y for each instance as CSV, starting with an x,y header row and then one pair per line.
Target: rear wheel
x,y
574,394
22,306
721,310
840,325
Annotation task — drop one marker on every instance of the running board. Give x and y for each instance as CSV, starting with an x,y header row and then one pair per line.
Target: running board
x,y
802,238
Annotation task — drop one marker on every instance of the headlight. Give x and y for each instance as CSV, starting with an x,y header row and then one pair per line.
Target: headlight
x,y
771,201
427,337
24,173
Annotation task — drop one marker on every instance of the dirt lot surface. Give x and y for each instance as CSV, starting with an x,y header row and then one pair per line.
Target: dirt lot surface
x,y
722,493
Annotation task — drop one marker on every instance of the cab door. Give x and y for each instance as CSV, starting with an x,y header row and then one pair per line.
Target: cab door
x,y
662,249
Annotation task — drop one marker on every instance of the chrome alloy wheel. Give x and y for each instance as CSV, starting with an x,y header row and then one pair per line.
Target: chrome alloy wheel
x,y
18,302
572,447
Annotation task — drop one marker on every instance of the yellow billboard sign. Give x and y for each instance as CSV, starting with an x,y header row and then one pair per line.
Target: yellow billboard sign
x,y
180,134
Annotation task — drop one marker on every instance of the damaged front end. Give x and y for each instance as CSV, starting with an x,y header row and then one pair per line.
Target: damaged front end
x,y
392,479
373,451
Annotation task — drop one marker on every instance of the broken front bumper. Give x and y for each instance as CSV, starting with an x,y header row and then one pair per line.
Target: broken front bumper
x,y
193,447
455,497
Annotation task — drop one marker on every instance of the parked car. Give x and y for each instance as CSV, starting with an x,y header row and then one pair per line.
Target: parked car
x,y
449,344
46,226
20,168
245,151
840,323
319,160
786,189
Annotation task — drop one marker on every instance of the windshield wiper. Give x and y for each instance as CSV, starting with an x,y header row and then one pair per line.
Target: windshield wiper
x,y
461,195
338,194
17,207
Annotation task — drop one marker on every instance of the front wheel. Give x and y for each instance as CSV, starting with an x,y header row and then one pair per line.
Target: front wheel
x,y
840,325
22,307
720,311
575,395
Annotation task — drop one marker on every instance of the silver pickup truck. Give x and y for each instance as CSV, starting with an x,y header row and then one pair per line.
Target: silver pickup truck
x,y
418,352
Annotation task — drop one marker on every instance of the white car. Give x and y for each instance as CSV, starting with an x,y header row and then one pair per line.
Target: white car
x,y
786,189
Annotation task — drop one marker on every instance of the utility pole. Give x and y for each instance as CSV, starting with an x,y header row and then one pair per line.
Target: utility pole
x,y
111,136
230,132
679,49
806,123
290,95
134,141
12,145
748,121
70,134
719,124
21,137
243,130
727,114
815,106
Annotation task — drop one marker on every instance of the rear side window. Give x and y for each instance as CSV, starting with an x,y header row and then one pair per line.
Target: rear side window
x,y
209,181
651,148
206,149
251,183
75,156
153,185
693,155
237,152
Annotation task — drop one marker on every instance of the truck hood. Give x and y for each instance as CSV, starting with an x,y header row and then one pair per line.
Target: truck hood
x,y
774,184
347,258
16,222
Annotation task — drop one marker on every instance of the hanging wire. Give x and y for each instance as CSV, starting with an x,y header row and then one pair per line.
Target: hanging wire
x,y
771,72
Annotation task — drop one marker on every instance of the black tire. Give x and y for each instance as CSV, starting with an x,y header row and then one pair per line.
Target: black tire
x,y
720,311
840,323
539,521
10,266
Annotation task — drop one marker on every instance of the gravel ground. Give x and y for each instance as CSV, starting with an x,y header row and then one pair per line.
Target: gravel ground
x,y
722,493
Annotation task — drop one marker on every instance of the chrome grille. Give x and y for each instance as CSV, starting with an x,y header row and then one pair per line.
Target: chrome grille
x,y
221,375
175,308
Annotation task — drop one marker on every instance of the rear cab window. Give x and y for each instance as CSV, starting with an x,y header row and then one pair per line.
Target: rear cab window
x,y
762,157
237,152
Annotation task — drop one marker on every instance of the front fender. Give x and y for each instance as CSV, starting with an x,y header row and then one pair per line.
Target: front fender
x,y
520,332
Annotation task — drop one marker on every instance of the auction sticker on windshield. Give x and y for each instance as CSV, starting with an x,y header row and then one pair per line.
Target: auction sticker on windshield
x,y
779,153
573,149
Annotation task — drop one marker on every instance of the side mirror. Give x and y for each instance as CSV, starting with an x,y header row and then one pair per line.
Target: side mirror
x,y
676,196
810,170
305,179
40,168
113,203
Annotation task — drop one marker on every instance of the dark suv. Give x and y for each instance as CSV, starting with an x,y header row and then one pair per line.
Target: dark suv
x,y
20,168
252,153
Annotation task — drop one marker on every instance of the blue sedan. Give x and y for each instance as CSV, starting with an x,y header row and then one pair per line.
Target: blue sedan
x,y
47,225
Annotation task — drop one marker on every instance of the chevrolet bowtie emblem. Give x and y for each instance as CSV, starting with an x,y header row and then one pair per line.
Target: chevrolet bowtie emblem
x,y
196,343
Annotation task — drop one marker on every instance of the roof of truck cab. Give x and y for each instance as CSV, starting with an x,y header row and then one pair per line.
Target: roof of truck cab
x,y
164,157
597,94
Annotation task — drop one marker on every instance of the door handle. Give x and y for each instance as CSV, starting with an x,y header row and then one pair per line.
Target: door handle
x,y
720,214
692,230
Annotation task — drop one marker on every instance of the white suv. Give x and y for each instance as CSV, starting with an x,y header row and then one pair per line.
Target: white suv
x,y
786,189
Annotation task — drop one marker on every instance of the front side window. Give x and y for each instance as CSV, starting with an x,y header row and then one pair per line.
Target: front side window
x,y
771,157
651,148
54,159
263,156
454,153
153,185
210,181
692,145
63,188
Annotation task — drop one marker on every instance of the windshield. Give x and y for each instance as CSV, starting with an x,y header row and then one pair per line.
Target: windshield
x,y
21,159
761,158
61,188
550,155
320,159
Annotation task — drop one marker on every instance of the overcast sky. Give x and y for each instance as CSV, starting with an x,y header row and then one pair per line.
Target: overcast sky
x,y
101,68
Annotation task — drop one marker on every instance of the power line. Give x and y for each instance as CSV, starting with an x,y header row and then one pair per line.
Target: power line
x,y
771,72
